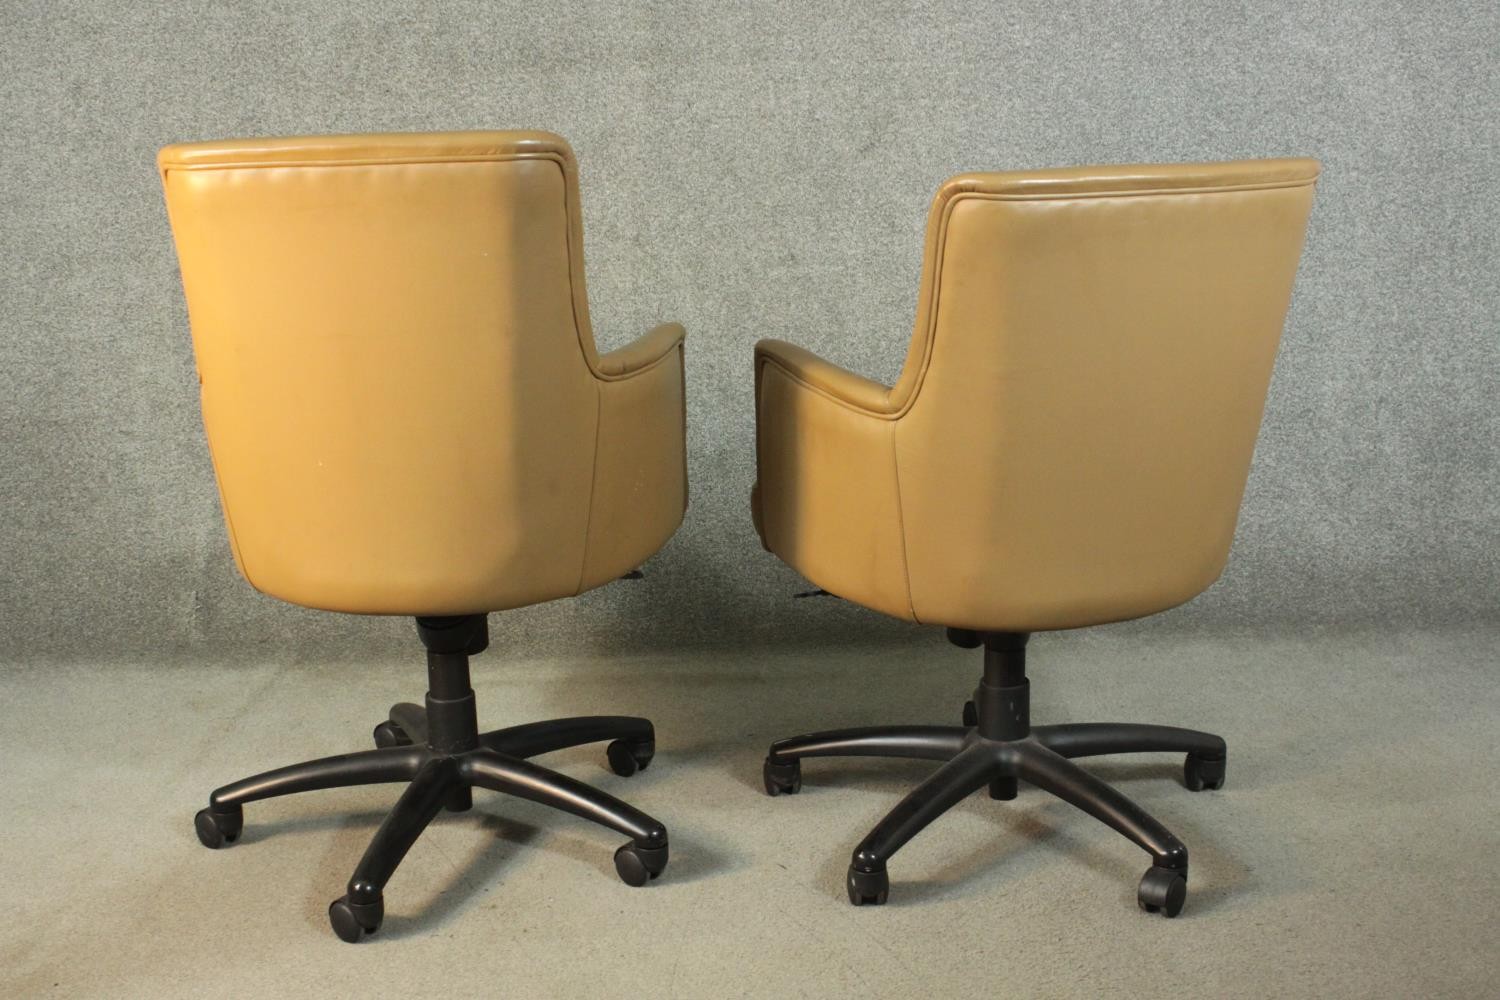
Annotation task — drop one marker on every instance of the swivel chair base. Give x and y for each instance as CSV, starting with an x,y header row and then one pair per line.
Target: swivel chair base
x,y
441,755
998,748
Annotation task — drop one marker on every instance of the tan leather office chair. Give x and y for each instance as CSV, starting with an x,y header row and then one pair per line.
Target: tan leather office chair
x,y
408,416
1067,445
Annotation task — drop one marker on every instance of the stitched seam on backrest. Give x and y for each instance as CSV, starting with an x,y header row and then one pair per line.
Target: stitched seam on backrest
x,y
588,517
368,161
901,525
1063,195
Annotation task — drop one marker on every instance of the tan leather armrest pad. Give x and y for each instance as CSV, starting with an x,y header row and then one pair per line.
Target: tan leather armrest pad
x,y
824,376
643,352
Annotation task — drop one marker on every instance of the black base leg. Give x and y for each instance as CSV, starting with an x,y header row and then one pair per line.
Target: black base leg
x,y
1164,886
1202,768
222,821
944,788
633,746
999,747
361,909
438,750
1091,739
637,862
782,771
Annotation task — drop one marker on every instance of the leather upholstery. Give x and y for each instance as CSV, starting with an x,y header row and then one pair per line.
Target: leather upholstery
x,y
1070,436
404,403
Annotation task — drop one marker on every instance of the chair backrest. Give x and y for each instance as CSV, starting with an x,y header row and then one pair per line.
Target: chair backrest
x,y
1085,385
393,346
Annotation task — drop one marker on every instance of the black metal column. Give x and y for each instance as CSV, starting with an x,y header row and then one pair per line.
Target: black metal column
x,y
1003,698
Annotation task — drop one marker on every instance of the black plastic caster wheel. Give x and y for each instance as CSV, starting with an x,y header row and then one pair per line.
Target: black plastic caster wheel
x,y
868,888
782,779
352,921
971,714
965,638
217,828
626,758
1163,890
638,865
388,734
1198,773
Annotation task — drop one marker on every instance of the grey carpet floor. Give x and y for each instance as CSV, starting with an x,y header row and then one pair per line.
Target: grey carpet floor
x,y
1353,852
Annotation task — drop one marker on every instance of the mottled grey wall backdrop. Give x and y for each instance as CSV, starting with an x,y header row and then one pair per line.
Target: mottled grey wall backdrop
x,y
757,170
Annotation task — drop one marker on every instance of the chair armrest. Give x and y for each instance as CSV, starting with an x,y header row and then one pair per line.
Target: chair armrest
x,y
806,367
642,353
826,499
640,461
